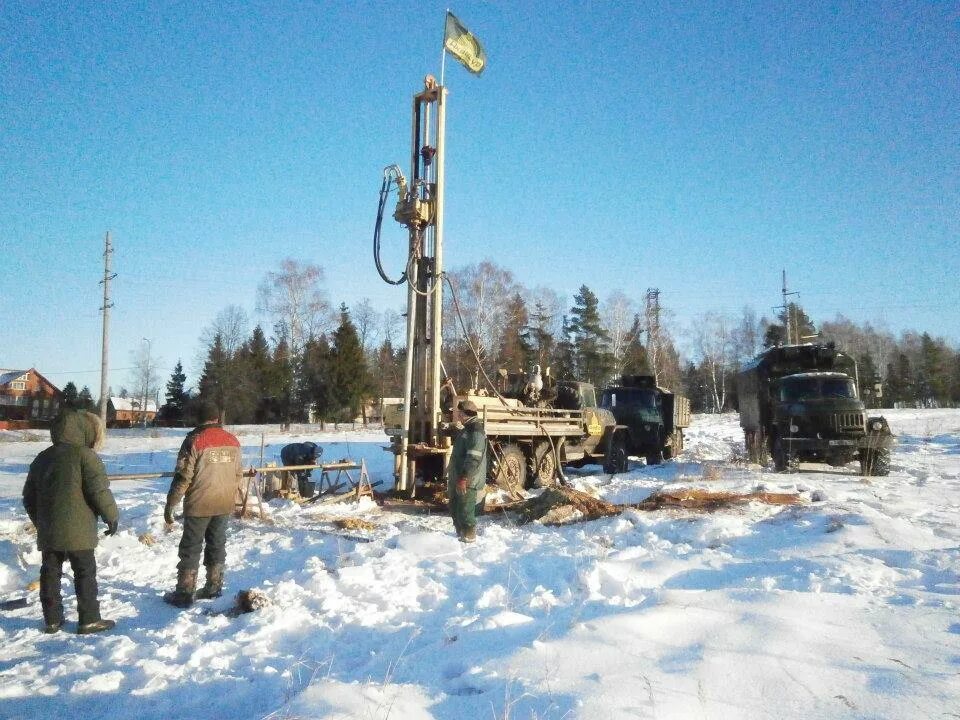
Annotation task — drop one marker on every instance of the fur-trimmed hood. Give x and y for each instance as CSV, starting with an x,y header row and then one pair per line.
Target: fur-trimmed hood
x,y
77,427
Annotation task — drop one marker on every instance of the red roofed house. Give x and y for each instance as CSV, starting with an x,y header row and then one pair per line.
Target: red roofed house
x,y
27,398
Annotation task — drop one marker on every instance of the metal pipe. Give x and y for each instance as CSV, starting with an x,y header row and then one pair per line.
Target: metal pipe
x,y
436,332
250,472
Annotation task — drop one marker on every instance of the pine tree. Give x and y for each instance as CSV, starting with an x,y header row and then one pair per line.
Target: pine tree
x,y
933,373
955,380
635,357
173,411
899,388
69,398
540,339
283,383
590,341
258,374
214,380
350,378
85,399
314,382
515,350
801,328
564,360
868,378
389,370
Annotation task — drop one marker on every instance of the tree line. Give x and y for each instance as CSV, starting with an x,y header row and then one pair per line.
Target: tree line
x,y
324,365
914,370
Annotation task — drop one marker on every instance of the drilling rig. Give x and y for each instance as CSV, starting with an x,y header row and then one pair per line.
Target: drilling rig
x,y
528,444
419,449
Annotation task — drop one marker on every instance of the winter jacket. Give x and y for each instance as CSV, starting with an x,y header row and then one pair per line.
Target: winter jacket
x,y
67,486
209,469
299,454
468,458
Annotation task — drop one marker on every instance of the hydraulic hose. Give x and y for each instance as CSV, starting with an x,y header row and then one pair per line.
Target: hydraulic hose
x,y
388,179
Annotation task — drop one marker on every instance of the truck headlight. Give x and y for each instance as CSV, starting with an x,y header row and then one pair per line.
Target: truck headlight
x,y
794,428
876,425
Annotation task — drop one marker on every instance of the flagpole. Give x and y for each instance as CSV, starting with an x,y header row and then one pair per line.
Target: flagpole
x,y
443,51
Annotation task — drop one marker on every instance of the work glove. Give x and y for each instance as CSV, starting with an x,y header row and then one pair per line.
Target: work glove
x,y
462,486
168,515
112,527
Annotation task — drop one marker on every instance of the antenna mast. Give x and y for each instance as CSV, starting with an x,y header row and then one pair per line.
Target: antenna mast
x,y
788,320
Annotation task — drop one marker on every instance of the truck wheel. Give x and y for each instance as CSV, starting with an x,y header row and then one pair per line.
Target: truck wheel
x,y
542,465
510,470
783,459
616,460
655,457
875,463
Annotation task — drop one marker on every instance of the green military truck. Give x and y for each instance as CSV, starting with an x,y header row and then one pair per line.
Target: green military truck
x,y
799,403
654,417
530,443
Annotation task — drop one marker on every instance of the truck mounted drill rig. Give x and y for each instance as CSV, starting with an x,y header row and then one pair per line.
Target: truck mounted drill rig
x,y
530,439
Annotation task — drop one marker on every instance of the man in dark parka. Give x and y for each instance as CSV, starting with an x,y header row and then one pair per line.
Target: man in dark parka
x,y
301,454
467,472
208,474
66,490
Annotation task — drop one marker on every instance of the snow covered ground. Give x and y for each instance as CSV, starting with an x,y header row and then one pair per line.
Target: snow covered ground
x,y
845,606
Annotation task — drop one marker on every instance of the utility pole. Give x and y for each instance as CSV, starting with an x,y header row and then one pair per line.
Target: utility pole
x,y
147,371
104,364
653,331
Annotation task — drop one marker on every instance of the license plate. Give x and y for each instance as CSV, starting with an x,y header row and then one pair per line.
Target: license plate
x,y
835,443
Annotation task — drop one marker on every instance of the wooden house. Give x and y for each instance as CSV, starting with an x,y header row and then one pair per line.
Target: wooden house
x,y
130,412
27,398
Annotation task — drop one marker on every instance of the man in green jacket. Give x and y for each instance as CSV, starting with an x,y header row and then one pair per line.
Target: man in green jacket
x,y
467,472
65,491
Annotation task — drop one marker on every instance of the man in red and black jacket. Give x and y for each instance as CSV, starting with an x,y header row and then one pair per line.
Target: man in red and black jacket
x,y
209,469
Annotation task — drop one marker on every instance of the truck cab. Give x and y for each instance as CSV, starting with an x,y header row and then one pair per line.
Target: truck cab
x,y
653,416
800,403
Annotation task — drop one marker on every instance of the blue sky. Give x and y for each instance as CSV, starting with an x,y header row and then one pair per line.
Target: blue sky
x,y
697,148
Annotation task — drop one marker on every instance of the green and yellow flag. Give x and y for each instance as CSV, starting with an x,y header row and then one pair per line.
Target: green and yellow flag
x,y
462,44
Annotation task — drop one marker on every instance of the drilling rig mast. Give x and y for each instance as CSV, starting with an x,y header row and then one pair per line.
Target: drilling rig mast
x,y
420,209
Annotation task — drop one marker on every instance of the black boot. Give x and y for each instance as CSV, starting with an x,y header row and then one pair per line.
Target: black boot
x,y
95,627
182,597
213,587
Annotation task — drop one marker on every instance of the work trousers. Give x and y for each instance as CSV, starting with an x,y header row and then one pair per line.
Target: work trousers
x,y
206,534
464,508
304,485
84,567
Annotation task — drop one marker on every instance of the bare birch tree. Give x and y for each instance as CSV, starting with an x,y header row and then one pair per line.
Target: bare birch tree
x,y
483,294
145,374
365,320
295,300
392,328
618,313
232,324
747,337
712,340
